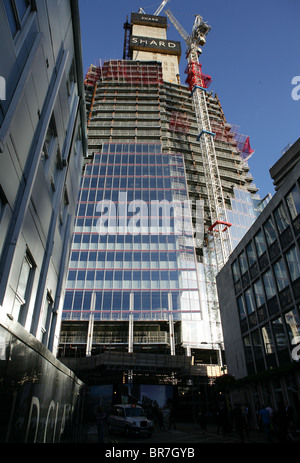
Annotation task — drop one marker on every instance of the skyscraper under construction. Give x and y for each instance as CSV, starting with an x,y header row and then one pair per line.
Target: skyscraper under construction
x,y
165,195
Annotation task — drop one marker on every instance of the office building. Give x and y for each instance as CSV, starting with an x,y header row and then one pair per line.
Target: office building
x,y
42,147
259,294
152,291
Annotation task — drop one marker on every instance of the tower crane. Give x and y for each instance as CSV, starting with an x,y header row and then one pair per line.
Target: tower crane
x,y
218,229
159,9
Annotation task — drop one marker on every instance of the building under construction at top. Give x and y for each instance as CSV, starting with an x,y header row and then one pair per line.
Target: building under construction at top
x,y
146,300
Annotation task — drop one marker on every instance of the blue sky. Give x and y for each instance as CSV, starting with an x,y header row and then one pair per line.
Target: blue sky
x,y
252,54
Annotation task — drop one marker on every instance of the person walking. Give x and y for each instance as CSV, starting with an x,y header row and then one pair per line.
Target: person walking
x,y
265,419
172,420
238,420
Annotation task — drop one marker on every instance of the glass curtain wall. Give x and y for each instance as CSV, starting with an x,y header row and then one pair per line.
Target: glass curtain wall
x,y
133,249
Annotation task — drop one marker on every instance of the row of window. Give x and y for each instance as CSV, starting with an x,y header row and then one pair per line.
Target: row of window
x,y
274,280
134,169
120,300
268,234
135,260
269,345
274,275
127,279
133,242
147,196
132,182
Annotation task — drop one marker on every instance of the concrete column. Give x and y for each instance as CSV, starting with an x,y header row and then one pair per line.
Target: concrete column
x,y
171,325
130,328
89,342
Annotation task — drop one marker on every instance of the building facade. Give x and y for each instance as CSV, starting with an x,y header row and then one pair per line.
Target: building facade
x,y
42,146
143,140
260,306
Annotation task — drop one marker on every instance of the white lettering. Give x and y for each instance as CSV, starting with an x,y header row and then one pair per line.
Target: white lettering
x,y
51,406
34,403
115,453
141,217
2,88
109,217
296,350
295,94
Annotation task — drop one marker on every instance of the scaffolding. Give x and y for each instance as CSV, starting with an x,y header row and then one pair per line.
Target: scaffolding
x,y
242,143
179,122
195,76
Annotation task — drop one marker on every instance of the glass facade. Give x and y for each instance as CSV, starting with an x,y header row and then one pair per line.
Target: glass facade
x,y
244,211
133,250
266,276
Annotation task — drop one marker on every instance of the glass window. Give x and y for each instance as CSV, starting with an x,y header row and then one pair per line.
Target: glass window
x,y
49,138
243,262
268,340
87,301
269,284
260,243
281,218
12,20
23,285
241,306
3,202
257,345
251,254
22,6
293,202
259,293
281,275
78,295
293,261
249,301
15,12
279,334
248,349
292,320
68,300
270,231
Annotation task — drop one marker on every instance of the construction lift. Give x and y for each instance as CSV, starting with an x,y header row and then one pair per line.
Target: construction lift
x,y
218,233
218,248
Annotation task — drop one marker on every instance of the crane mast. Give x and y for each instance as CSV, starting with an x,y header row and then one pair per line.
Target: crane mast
x,y
218,233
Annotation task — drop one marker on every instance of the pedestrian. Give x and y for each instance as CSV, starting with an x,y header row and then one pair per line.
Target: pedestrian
x,y
172,420
239,422
160,418
248,421
265,420
222,415
100,417
290,419
202,418
280,423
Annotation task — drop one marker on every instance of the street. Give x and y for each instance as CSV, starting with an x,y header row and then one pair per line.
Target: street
x,y
183,434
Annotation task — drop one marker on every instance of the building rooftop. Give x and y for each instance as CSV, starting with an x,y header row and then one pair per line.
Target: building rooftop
x,y
285,164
